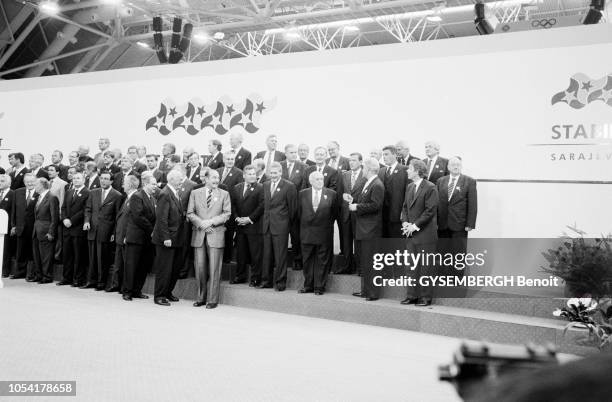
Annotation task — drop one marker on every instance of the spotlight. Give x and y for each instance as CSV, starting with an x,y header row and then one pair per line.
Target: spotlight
x,y
201,37
157,24
351,28
292,35
49,7
595,12
186,39
434,18
143,44
219,35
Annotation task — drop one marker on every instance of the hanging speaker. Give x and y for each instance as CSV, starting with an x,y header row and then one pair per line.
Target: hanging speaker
x,y
157,24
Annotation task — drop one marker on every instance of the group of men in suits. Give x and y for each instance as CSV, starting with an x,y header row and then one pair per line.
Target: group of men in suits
x,y
109,219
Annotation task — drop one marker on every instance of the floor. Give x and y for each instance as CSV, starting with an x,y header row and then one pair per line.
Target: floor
x,y
138,351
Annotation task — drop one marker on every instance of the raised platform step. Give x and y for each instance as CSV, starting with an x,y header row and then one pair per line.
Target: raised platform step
x,y
437,319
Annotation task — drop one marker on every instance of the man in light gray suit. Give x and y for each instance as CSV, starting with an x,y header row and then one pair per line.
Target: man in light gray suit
x,y
209,208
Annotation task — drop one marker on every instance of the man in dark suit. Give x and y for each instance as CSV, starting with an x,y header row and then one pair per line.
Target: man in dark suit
x,y
194,168
403,153
160,176
92,178
367,212
330,175
457,208
243,156
18,170
184,191
130,186
270,154
295,172
303,152
7,199
335,160
138,247
395,179
260,169
247,200
229,176
280,208
126,170
101,212
108,164
46,218
436,165
83,152
137,165
351,183
56,159
317,211
72,216
168,238
419,224
103,146
22,217
215,159
168,149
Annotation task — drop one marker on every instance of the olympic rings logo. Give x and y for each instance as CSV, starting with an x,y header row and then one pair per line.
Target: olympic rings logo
x,y
544,23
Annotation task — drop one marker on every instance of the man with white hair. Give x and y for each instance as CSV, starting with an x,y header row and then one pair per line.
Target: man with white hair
x,y
194,168
336,160
83,152
367,209
260,170
330,175
36,162
437,166
403,153
103,146
317,212
168,238
270,154
187,151
243,155
303,152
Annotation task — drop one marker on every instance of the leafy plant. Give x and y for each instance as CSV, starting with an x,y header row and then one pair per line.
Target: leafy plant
x,y
596,317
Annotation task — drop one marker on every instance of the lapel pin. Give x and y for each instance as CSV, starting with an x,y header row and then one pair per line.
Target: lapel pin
x,y
458,188
325,196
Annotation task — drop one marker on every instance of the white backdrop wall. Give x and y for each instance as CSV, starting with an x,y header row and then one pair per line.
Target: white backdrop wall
x,y
487,99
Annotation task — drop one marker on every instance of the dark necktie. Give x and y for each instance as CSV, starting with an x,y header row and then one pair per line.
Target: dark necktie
x,y
29,198
388,171
209,199
451,187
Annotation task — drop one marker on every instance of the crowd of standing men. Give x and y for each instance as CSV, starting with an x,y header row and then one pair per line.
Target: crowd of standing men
x,y
110,218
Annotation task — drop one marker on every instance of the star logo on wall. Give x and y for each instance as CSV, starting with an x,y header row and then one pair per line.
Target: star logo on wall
x,y
260,107
230,109
172,111
201,111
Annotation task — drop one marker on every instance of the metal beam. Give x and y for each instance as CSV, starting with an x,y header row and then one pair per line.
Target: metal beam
x,y
16,22
15,45
50,60
103,56
6,21
88,57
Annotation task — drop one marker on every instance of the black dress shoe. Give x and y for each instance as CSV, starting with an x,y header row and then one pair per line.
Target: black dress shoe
x,y
16,277
127,297
63,283
75,285
172,298
237,281
318,292
264,286
161,301
99,288
31,280
358,294
371,298
113,289
44,281
140,296
280,288
410,300
211,305
199,304
5,275
88,286
423,302
305,290
253,284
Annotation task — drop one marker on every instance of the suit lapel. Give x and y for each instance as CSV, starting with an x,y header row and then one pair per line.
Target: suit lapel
x,y
420,189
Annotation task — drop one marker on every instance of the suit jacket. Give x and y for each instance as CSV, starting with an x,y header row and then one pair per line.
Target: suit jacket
x,y
461,210
17,180
344,186
308,162
118,180
395,190
92,185
62,171
6,203
219,212
281,209
233,177
42,173
216,162
298,174
406,161
46,217
330,176
73,208
169,219
194,174
263,178
22,214
160,177
278,156
317,227
121,225
440,169
58,189
243,158
139,166
421,209
184,191
250,204
343,163
102,216
368,216
140,218
113,169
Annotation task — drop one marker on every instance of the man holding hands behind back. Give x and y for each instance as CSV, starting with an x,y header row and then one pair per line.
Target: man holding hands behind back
x,y
209,209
